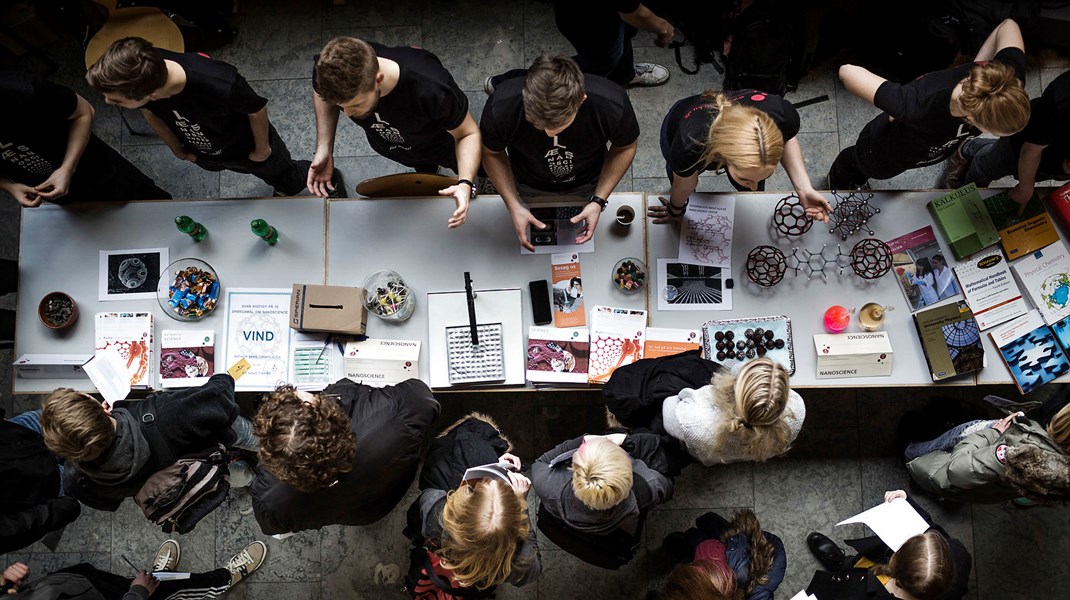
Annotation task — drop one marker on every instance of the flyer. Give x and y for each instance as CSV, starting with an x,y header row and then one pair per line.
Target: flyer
x,y
258,330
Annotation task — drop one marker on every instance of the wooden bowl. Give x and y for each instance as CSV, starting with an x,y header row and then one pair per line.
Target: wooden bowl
x,y
57,310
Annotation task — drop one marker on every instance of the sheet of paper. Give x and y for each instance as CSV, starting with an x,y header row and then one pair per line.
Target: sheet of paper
x,y
310,365
894,522
130,274
802,595
706,230
688,286
169,575
258,330
107,371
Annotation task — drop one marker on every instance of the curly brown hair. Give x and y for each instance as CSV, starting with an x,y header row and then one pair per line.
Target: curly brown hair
x,y
305,445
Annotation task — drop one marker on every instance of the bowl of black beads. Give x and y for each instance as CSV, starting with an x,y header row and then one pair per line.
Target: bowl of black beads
x,y
57,310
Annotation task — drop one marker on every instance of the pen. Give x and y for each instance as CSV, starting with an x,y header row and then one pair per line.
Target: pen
x,y
136,570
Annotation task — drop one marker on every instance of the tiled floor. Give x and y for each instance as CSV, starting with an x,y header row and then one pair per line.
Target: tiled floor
x,y
841,464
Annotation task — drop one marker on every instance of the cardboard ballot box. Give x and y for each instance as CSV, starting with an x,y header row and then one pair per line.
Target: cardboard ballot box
x,y
382,362
861,354
52,366
328,309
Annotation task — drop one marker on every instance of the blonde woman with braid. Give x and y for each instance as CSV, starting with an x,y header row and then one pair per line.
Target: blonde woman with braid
x,y
744,134
752,414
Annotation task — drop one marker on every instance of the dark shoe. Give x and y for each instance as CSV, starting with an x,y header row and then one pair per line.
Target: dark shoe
x,y
955,171
339,183
826,551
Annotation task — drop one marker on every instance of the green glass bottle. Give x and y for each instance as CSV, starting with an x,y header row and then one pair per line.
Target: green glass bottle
x,y
191,228
266,232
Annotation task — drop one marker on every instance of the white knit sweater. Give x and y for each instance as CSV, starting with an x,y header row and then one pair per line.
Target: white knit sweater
x,y
691,417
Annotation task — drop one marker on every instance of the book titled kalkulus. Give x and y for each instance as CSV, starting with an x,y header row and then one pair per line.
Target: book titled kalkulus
x,y
1020,234
1030,351
950,339
964,222
990,289
1045,275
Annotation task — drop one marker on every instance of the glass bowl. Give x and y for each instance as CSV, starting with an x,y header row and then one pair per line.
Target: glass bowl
x,y
189,289
387,297
629,275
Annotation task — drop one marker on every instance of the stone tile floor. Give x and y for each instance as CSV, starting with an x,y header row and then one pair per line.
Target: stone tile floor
x,y
841,464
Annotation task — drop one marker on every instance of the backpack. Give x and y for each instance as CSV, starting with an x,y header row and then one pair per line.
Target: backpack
x,y
634,392
59,586
608,550
760,54
427,579
179,495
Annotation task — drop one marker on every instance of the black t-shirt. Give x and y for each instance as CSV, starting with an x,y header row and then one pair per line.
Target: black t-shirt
x,y
34,126
210,115
411,124
924,128
575,156
688,125
1049,125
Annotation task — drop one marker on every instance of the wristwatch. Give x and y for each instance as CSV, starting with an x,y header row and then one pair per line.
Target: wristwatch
x,y
599,201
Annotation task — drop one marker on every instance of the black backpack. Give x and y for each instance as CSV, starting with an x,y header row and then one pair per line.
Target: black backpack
x,y
761,52
634,392
609,551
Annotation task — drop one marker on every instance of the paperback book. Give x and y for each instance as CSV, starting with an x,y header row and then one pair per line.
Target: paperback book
x,y
130,335
558,356
964,222
990,290
567,290
187,358
1045,275
1020,234
950,339
617,336
662,341
1031,352
921,269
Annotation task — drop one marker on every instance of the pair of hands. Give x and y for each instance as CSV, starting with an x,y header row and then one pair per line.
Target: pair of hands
x,y
816,206
520,483
522,218
17,574
56,186
321,171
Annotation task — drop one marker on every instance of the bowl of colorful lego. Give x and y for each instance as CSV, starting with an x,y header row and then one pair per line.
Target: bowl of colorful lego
x,y
629,275
188,290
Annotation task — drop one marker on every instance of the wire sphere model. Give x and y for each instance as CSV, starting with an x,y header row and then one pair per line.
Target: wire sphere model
x,y
851,214
871,258
766,265
790,218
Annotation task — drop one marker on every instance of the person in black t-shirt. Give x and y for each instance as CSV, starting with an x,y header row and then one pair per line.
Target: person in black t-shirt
x,y
546,134
745,134
48,151
1040,151
201,108
409,106
926,119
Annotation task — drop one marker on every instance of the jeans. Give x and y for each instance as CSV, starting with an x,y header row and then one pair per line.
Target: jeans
x,y
244,438
993,159
602,41
945,441
30,419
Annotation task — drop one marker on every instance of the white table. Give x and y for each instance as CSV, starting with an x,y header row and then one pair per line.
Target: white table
x,y
59,251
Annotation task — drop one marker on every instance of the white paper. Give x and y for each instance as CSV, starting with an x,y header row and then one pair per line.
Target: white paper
x,y
894,522
559,236
258,330
169,575
689,286
107,371
130,274
310,364
802,595
706,230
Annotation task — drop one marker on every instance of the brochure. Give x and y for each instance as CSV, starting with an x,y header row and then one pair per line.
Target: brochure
x,y
130,334
558,355
567,290
617,336
258,330
187,358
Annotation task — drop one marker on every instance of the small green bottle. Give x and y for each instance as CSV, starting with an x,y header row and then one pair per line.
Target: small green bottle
x,y
266,232
191,228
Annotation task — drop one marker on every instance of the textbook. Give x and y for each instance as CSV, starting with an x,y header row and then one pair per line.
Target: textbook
x,y
990,289
962,218
1020,234
187,358
661,341
1045,275
1059,200
129,334
617,336
557,355
950,339
1030,351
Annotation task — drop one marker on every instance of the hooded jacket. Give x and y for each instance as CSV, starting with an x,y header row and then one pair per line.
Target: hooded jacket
x,y
553,486
390,424
990,467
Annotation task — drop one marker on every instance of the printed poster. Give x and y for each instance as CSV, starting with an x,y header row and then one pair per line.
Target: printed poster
x,y
258,330
706,230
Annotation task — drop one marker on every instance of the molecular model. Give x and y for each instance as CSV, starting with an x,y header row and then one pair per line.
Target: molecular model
x,y
818,263
766,265
871,258
851,214
790,218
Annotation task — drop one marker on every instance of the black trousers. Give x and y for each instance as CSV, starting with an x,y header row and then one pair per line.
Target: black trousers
x,y
103,174
602,41
280,171
199,586
880,152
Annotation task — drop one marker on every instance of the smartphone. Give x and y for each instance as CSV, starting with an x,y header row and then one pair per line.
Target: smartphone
x,y
540,302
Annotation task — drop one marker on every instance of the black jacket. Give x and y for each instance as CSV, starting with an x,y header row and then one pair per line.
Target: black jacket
x,y
30,505
390,424
191,420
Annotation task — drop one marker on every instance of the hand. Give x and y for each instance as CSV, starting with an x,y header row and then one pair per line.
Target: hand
x,y
521,219
462,193
590,214
817,207
512,459
892,495
320,173
1002,424
24,194
258,155
1022,195
521,484
16,574
666,36
56,186
145,580
661,213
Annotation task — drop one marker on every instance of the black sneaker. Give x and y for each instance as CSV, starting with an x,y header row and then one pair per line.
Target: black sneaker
x,y
826,552
339,184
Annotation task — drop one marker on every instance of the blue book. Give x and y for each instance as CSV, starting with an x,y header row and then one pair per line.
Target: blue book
x,y
1031,351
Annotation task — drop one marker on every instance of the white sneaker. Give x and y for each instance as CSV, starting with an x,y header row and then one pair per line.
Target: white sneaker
x,y
649,75
167,556
242,564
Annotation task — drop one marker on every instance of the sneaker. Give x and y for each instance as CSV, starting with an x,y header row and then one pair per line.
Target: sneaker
x,y
339,183
649,74
488,85
955,170
167,556
242,564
